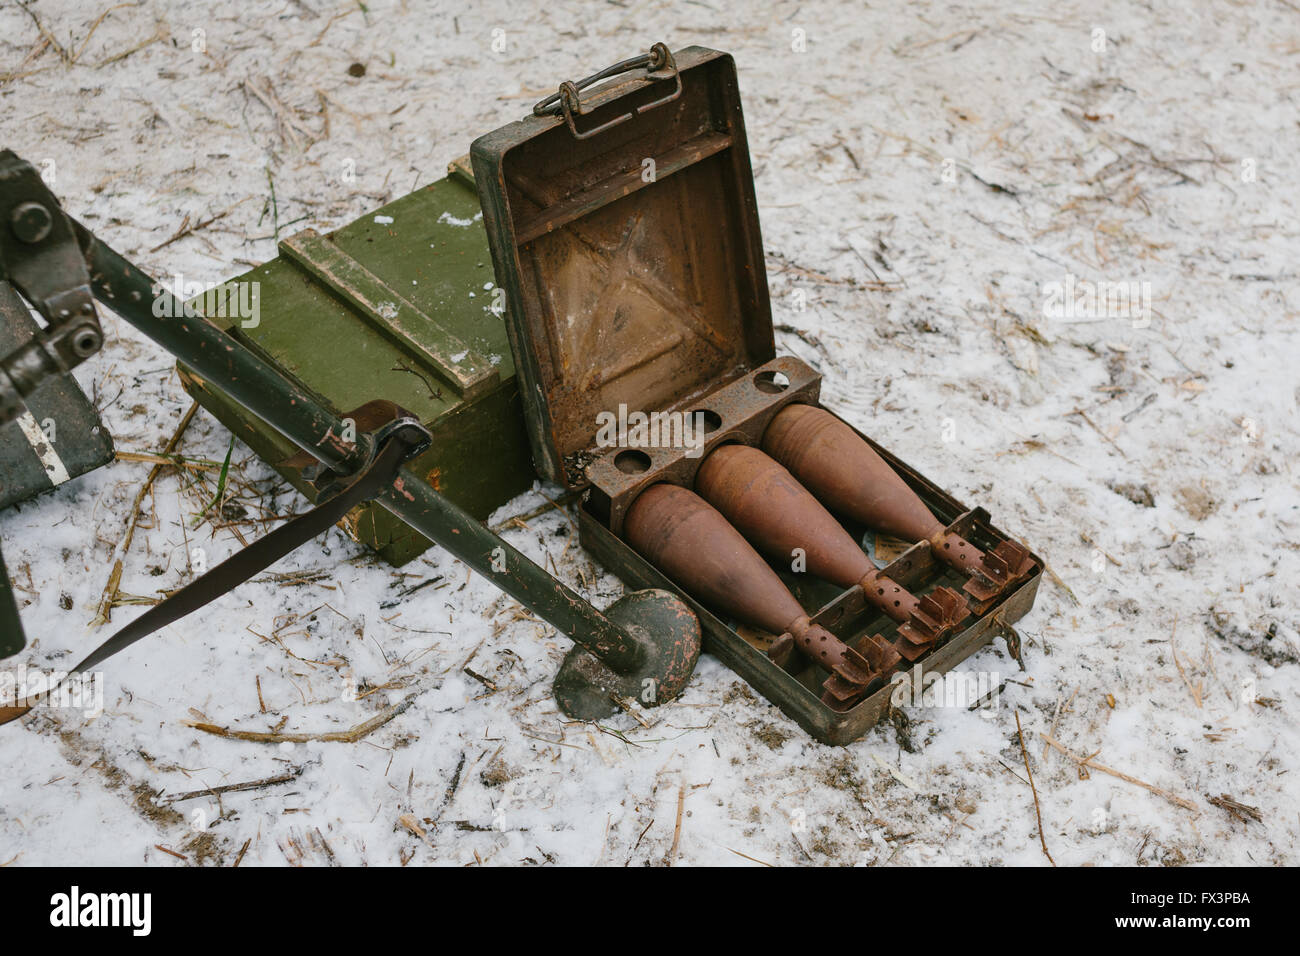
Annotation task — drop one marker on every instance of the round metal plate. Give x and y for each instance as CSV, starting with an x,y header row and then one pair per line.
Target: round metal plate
x,y
586,687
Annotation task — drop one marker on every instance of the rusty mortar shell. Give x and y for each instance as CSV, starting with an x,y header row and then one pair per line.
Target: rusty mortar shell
x,y
781,517
847,476
693,544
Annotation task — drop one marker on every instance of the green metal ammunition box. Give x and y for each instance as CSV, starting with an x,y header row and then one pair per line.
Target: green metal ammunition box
x,y
397,305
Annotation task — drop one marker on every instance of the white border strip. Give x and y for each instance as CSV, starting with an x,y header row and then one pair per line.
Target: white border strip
x,y
53,464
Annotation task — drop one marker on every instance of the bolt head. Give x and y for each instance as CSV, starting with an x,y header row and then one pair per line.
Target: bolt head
x,y
31,222
85,342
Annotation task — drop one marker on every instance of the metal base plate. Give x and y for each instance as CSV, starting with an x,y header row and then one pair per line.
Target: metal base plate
x,y
586,688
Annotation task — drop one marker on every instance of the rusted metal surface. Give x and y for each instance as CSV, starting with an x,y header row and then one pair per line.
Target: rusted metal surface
x,y
624,231
992,573
781,670
586,686
631,260
847,476
739,411
567,101
798,691
770,508
681,534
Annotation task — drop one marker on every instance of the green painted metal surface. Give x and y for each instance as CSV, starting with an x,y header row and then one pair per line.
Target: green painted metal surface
x,y
618,640
396,305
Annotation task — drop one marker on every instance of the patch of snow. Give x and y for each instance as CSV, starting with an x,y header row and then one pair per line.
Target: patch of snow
x,y
456,221
1168,514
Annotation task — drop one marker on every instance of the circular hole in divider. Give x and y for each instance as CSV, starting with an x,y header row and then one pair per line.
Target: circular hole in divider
x,y
771,381
711,420
630,461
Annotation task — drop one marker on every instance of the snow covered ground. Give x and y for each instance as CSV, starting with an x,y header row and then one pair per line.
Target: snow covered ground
x,y
928,175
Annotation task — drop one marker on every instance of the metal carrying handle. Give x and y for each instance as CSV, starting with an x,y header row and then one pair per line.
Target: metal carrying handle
x,y
567,100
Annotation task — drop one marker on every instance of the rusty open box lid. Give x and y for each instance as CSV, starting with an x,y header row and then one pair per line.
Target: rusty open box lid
x,y
624,231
